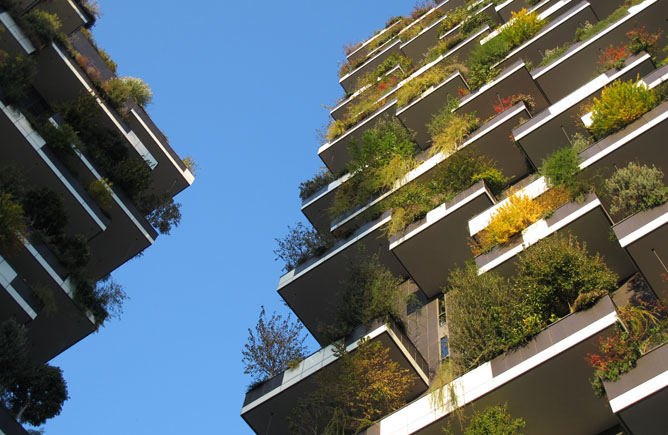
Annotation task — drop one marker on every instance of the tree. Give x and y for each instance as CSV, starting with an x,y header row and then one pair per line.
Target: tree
x,y
37,395
494,420
276,343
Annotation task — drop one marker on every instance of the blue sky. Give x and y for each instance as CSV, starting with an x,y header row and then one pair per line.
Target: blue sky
x,y
239,86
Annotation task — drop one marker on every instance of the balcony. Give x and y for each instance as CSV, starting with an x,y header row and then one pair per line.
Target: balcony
x,y
349,81
25,150
269,404
490,140
63,323
551,129
558,31
530,380
588,221
420,248
639,397
506,9
59,79
578,64
19,43
363,50
71,14
334,153
312,290
514,80
316,208
418,113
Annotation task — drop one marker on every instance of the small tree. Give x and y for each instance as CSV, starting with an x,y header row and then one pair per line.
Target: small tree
x,y
635,188
276,343
495,420
37,395
300,244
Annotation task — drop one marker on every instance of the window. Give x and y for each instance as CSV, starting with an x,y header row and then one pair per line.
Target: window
x,y
441,310
444,347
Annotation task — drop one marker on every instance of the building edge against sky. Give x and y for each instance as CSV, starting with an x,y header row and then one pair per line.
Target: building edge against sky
x,y
90,175
533,98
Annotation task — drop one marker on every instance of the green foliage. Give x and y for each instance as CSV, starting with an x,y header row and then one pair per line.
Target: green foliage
x,y
488,314
275,343
12,222
620,104
364,386
494,420
635,188
16,72
387,142
448,129
45,211
369,292
553,54
190,163
522,27
432,77
300,244
453,18
483,58
72,251
587,30
107,59
103,299
32,393
474,22
117,93
139,90
100,191
561,167
162,212
554,273
60,139
44,26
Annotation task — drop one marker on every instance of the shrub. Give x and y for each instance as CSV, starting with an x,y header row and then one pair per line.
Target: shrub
x,y
16,72
319,180
45,210
139,90
508,102
613,57
453,18
60,139
554,273
161,212
561,167
641,326
275,343
299,245
369,292
132,174
107,60
587,30
72,251
635,188
410,204
117,93
449,129
620,104
483,58
432,77
474,22
522,27
100,191
12,222
190,164
641,40
494,420
44,26
363,387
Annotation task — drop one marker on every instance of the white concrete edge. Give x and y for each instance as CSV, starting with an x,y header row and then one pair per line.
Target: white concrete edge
x,y
189,177
78,12
7,275
17,33
37,142
387,46
644,230
639,392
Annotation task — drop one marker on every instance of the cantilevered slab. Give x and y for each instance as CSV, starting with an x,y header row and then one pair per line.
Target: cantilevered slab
x,y
579,63
530,380
313,290
506,9
429,249
349,81
17,300
417,114
645,237
364,49
557,32
491,140
417,47
316,208
14,41
550,129
334,154
70,14
588,221
514,80
639,397
60,80
269,406
63,323
25,150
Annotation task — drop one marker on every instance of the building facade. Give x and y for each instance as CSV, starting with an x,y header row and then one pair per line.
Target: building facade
x,y
87,177
528,79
